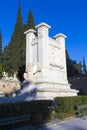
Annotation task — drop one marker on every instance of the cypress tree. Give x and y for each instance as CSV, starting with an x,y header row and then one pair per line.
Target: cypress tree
x,y
68,63
0,53
19,24
0,47
13,52
84,66
6,57
30,24
73,68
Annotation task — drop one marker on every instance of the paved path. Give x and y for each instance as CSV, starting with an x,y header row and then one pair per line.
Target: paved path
x,y
72,124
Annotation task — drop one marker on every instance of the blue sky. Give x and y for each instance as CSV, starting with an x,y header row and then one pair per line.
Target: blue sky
x,y
64,16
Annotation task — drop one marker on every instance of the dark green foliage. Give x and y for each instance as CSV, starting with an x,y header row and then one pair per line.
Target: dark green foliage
x,y
14,53
68,63
30,24
84,66
0,68
38,110
65,106
0,47
81,92
0,54
6,60
73,68
21,72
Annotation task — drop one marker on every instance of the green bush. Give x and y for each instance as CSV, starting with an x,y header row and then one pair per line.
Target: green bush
x,y
38,110
65,106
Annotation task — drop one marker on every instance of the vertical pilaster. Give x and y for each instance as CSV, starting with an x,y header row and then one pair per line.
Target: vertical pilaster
x,y
60,38
43,38
30,35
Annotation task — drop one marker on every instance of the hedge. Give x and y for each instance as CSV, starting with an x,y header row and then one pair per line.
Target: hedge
x,y
38,110
66,106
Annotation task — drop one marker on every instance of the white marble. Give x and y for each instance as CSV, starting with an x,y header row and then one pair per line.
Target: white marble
x,y
48,59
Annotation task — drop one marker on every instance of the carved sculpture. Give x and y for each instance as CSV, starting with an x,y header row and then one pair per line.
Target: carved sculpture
x,y
31,70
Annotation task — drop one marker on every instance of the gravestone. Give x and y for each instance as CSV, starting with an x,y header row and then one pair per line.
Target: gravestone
x,y
46,63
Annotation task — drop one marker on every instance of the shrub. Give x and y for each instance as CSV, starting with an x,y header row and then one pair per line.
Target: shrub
x,y
65,106
38,110
41,111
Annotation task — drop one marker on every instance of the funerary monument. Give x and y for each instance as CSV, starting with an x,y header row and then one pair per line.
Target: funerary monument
x,y
46,63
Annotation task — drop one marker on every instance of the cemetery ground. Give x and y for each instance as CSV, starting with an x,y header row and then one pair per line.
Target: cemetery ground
x,y
69,124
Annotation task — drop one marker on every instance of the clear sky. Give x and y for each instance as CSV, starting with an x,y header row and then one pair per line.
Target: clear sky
x,y
64,16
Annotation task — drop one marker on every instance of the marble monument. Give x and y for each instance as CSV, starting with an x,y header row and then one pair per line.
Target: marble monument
x,y
46,63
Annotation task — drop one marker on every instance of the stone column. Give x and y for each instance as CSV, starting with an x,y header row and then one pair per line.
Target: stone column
x,y
30,35
43,32
60,38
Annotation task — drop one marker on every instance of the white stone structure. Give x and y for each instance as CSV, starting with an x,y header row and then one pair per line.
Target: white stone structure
x,y
9,86
48,59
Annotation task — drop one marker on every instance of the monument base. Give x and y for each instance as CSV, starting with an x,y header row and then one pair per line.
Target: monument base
x,y
51,90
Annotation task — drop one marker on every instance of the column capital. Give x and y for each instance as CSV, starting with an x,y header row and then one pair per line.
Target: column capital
x,y
29,31
43,25
60,35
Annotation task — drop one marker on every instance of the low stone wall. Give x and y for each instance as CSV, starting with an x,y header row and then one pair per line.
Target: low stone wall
x,y
7,87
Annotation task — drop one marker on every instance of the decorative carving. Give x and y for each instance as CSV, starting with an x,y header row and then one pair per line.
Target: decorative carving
x,y
36,68
28,75
31,70
55,57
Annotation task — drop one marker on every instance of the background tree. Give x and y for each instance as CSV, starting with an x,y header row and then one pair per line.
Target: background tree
x,y
0,47
15,51
84,66
14,58
1,67
68,63
73,68
31,24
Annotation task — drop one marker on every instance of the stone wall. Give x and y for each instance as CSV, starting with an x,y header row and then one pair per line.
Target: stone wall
x,y
7,87
79,83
